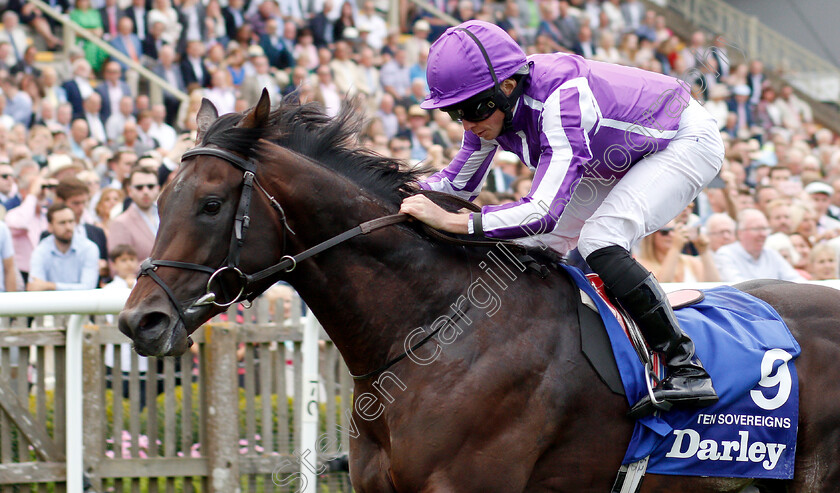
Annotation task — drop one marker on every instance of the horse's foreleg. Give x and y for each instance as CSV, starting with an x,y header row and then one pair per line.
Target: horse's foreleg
x,y
369,467
366,479
468,479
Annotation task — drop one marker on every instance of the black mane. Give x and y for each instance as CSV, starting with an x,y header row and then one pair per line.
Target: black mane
x,y
331,142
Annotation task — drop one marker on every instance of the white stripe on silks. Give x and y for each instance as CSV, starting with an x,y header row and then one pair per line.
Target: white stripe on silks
x,y
526,152
561,157
445,186
590,112
532,103
472,164
513,217
551,181
635,128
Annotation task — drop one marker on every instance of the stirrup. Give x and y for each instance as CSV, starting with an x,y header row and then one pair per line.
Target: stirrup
x,y
650,405
643,407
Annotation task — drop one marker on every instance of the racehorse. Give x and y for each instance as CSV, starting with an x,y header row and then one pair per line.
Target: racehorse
x,y
501,399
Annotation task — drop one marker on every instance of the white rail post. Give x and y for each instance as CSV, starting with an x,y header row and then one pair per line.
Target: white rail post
x,y
96,302
75,394
310,401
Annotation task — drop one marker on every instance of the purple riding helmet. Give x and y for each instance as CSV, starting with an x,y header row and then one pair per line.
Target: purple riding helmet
x,y
466,67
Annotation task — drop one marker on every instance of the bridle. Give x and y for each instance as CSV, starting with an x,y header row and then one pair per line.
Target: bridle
x,y
242,221
288,263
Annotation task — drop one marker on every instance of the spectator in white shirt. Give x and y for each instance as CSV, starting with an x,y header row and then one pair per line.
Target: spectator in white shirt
x,y
716,104
125,265
8,272
14,33
160,130
92,105
749,258
327,92
222,93
116,122
370,21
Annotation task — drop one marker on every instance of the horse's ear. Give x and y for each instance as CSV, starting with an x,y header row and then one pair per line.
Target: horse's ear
x,y
207,114
258,117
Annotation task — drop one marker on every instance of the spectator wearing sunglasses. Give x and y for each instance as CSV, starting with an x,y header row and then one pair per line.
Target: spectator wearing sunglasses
x,y
661,253
138,225
9,196
617,153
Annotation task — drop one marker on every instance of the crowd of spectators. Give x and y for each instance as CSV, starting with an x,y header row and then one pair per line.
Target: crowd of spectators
x,y
83,145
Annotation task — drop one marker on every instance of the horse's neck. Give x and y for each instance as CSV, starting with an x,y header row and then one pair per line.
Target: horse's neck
x,y
371,292
369,299
361,290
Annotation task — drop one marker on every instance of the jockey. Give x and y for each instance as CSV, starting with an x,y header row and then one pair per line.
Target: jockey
x,y
617,153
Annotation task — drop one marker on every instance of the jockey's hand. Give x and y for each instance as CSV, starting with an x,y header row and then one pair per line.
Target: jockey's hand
x,y
420,207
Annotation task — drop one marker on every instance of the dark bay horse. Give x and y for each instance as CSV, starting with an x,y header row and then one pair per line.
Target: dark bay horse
x,y
501,399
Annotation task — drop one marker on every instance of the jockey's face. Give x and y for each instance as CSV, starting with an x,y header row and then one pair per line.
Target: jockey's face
x,y
489,128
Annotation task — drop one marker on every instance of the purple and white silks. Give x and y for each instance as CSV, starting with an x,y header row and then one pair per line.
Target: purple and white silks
x,y
575,118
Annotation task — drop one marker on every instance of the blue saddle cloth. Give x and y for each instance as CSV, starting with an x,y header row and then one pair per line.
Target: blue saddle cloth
x,y
748,351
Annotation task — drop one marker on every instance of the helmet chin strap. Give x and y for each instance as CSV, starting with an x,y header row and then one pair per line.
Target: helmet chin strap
x,y
508,103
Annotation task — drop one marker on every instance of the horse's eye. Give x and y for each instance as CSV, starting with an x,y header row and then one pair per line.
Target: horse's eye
x,y
212,207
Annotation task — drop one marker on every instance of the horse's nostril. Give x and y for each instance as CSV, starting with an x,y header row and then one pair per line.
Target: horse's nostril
x,y
152,320
125,325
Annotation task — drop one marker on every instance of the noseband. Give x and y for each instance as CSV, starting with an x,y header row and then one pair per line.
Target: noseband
x,y
241,223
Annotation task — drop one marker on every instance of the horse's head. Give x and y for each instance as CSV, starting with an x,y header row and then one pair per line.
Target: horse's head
x,y
224,237
199,255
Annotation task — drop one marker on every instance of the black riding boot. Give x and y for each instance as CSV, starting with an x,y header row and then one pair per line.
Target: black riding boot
x,y
638,292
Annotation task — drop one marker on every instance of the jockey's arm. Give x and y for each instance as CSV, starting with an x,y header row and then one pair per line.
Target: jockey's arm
x,y
563,152
463,177
525,218
427,211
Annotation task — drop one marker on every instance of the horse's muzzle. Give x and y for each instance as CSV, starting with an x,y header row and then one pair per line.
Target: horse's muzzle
x,y
154,333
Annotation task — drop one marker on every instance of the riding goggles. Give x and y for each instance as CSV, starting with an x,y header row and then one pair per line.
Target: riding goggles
x,y
476,108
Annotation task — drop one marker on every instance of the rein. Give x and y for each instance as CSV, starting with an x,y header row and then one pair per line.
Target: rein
x,y
288,263
241,224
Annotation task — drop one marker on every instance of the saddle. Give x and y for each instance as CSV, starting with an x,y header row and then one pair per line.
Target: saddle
x,y
593,336
594,341
733,331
